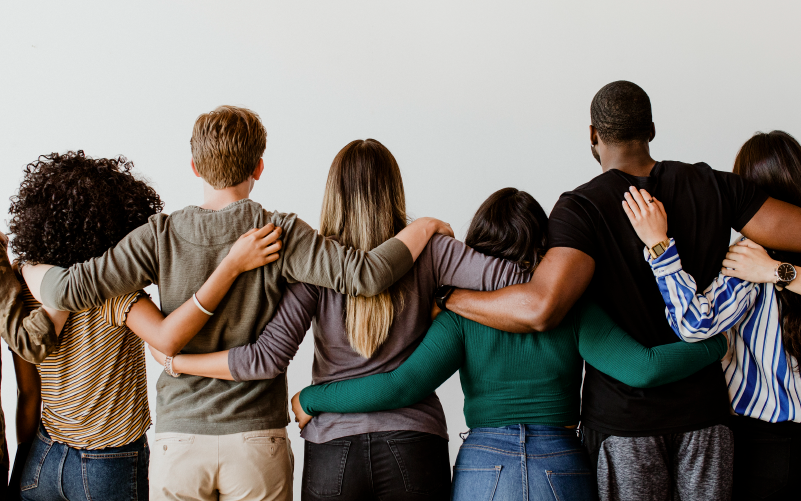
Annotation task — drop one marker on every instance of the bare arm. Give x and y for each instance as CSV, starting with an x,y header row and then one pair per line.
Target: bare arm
x,y
29,399
539,305
213,365
777,225
255,248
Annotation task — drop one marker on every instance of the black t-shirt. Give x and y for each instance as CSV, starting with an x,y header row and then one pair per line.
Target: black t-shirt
x,y
702,205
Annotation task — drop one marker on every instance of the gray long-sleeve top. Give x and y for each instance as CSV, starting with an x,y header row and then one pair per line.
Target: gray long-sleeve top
x,y
444,261
178,252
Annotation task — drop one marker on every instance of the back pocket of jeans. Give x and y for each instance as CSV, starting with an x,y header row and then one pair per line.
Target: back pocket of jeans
x,y
110,477
324,467
475,483
33,465
579,485
424,463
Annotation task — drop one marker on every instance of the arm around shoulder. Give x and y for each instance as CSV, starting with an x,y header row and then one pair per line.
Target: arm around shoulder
x,y
539,305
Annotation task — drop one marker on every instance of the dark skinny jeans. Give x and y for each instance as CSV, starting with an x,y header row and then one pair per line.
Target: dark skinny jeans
x,y
390,466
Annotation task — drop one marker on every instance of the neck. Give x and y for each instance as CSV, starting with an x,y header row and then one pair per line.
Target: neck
x,y
219,199
632,158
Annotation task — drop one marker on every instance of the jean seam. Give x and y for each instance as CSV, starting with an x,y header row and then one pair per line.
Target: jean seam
x,y
35,483
60,474
516,453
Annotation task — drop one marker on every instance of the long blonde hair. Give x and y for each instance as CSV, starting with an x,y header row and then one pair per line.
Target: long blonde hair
x,y
363,206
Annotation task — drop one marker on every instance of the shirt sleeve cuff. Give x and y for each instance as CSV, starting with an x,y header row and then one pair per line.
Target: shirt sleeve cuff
x,y
666,264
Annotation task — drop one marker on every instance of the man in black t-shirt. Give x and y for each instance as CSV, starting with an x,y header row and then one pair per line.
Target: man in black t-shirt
x,y
668,441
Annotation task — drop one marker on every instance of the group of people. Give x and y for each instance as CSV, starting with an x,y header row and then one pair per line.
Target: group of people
x,y
589,343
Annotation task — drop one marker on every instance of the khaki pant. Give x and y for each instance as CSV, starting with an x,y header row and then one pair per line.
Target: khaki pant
x,y
255,465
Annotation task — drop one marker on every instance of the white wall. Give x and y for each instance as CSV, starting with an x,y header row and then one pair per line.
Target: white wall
x,y
469,96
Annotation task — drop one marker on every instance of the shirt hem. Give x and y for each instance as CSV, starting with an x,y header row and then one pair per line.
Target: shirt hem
x,y
653,432
192,427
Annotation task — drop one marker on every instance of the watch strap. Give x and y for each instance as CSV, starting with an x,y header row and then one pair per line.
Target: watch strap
x,y
441,296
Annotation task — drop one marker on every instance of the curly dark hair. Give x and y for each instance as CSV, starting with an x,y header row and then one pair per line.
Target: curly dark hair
x,y
621,113
71,208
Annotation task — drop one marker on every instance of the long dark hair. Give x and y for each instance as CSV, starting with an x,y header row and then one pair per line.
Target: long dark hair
x,y
510,224
773,162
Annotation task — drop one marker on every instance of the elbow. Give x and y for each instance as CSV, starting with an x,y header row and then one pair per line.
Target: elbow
x,y
543,316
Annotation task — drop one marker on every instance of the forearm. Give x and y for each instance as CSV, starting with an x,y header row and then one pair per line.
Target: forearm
x,y
179,327
417,235
439,355
211,365
29,413
693,316
129,266
538,305
635,365
777,225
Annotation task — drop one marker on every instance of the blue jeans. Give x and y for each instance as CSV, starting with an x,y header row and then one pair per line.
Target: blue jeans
x,y
55,472
523,462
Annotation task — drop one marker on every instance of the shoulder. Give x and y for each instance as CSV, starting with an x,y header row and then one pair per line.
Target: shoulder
x,y
115,310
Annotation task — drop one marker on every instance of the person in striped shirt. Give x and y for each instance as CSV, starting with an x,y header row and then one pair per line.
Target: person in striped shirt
x,y
91,443
756,299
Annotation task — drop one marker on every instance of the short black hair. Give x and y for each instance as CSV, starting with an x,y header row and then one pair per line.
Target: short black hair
x,y
510,225
71,208
621,113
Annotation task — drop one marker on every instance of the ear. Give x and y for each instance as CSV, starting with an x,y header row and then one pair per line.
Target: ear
x,y
593,136
258,170
194,169
653,132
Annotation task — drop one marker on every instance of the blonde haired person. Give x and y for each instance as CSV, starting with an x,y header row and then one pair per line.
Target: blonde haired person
x,y
219,439
393,455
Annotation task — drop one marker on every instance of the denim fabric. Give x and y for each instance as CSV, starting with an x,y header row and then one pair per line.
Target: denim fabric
x,y
55,472
523,462
386,466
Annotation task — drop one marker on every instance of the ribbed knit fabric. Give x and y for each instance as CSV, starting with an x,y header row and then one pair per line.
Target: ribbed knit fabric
x,y
516,378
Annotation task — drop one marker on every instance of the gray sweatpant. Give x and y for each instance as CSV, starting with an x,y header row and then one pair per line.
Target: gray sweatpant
x,y
689,466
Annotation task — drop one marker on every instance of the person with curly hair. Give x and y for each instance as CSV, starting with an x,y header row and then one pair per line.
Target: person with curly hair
x,y
220,439
91,443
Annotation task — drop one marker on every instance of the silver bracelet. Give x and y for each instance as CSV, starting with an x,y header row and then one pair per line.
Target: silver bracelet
x,y
204,310
168,367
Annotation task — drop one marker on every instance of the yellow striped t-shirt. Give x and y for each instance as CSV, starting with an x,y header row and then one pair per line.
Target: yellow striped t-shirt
x,y
94,387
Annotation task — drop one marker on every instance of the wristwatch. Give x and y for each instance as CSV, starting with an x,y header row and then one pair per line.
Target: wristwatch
x,y
659,249
785,273
442,294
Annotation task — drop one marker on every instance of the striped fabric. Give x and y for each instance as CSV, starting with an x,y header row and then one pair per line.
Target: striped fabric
x,y
94,387
760,375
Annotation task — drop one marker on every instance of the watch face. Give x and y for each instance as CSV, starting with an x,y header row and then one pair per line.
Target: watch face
x,y
786,272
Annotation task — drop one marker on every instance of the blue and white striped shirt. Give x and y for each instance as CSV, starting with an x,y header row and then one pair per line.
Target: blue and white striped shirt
x,y
760,376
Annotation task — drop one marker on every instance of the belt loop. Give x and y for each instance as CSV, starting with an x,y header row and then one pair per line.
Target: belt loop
x,y
522,434
463,435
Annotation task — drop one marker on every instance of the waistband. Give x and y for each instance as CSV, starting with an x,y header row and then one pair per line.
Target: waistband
x,y
137,444
522,431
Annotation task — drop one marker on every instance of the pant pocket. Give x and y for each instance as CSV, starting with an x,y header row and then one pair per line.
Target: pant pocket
x,y
176,441
111,476
324,467
571,485
273,445
424,463
33,465
474,483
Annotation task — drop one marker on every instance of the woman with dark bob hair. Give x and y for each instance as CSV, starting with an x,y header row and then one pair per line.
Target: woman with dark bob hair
x,y
522,391
756,298
91,443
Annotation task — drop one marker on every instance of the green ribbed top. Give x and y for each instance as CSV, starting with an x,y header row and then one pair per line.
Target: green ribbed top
x,y
516,378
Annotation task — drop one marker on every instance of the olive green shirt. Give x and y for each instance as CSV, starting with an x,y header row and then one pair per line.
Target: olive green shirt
x,y
178,252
